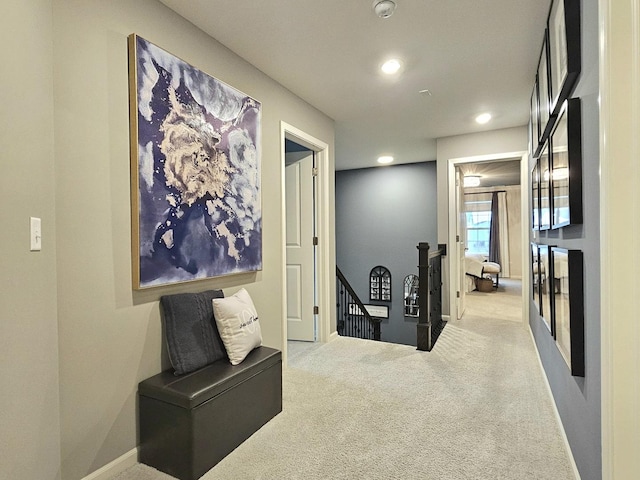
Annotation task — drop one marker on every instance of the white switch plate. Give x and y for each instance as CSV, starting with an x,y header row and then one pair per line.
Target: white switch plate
x,y
36,234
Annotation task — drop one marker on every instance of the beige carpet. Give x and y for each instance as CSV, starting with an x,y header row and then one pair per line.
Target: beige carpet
x,y
473,408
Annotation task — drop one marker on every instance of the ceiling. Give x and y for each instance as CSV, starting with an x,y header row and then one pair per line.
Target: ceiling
x,y
473,56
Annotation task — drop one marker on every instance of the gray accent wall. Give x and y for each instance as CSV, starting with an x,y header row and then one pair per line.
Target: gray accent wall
x,y
381,215
577,398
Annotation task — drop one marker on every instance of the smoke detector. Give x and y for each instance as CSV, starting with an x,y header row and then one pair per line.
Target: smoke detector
x,y
384,8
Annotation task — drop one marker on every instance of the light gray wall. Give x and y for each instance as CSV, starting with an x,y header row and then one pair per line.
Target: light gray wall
x,y
29,404
76,339
381,215
578,399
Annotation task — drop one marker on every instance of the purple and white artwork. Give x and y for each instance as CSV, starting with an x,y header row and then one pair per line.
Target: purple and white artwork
x,y
195,172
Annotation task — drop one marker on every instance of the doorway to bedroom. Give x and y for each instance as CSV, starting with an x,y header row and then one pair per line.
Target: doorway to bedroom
x,y
490,234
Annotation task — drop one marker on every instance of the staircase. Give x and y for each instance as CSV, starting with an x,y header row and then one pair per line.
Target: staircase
x,y
353,320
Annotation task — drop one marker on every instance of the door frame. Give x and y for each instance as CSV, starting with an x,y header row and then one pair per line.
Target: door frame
x,y
325,276
619,64
454,268
458,196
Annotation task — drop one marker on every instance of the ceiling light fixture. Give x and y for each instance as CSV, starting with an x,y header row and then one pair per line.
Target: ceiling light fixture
x,y
384,8
483,118
471,181
385,159
391,66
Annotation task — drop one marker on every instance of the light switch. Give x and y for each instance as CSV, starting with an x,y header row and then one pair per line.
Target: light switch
x,y
36,234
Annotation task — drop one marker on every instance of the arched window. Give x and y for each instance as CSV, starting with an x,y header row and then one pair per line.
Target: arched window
x,y
411,308
380,284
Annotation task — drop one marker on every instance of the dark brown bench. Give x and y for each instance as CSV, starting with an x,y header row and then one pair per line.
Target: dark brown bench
x,y
189,423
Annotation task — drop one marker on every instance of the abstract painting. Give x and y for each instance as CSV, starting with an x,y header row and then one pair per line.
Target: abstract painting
x,y
195,172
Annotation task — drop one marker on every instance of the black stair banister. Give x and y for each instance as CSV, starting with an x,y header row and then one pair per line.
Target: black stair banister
x,y
430,322
353,319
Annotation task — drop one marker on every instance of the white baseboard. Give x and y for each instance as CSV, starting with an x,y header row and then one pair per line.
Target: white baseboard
x,y
567,447
446,318
333,336
111,469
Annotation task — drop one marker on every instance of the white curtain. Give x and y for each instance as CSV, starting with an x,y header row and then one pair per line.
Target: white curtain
x,y
504,235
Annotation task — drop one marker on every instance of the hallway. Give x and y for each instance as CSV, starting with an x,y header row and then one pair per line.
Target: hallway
x,y
504,303
475,407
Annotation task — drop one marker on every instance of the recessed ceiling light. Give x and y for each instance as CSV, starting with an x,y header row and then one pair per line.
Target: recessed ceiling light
x,y
483,118
391,66
385,159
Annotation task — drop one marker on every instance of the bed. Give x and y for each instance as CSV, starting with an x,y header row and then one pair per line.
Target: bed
x,y
477,266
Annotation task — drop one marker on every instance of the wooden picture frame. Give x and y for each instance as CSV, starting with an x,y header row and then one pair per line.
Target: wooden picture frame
x,y
545,285
568,295
565,57
566,166
195,172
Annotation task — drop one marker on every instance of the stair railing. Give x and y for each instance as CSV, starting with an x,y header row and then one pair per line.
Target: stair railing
x,y
430,323
353,319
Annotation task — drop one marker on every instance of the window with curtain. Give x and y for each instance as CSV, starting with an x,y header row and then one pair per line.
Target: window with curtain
x,y
478,219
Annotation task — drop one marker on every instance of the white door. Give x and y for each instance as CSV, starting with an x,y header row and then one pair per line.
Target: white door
x,y
461,241
300,250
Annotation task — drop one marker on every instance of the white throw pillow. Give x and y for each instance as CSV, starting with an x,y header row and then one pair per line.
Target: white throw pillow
x,y
238,325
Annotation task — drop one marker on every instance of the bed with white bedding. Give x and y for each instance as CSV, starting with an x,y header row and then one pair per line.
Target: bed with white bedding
x,y
476,266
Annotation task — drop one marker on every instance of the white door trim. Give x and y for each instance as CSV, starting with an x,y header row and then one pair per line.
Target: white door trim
x,y
454,269
619,40
325,275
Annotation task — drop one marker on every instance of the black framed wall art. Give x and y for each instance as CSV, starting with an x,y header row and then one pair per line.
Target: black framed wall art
x,y
569,310
535,275
564,50
535,197
545,280
545,188
566,166
534,120
543,89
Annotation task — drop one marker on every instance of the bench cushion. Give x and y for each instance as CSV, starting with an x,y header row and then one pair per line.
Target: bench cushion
x,y
490,267
192,337
190,390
